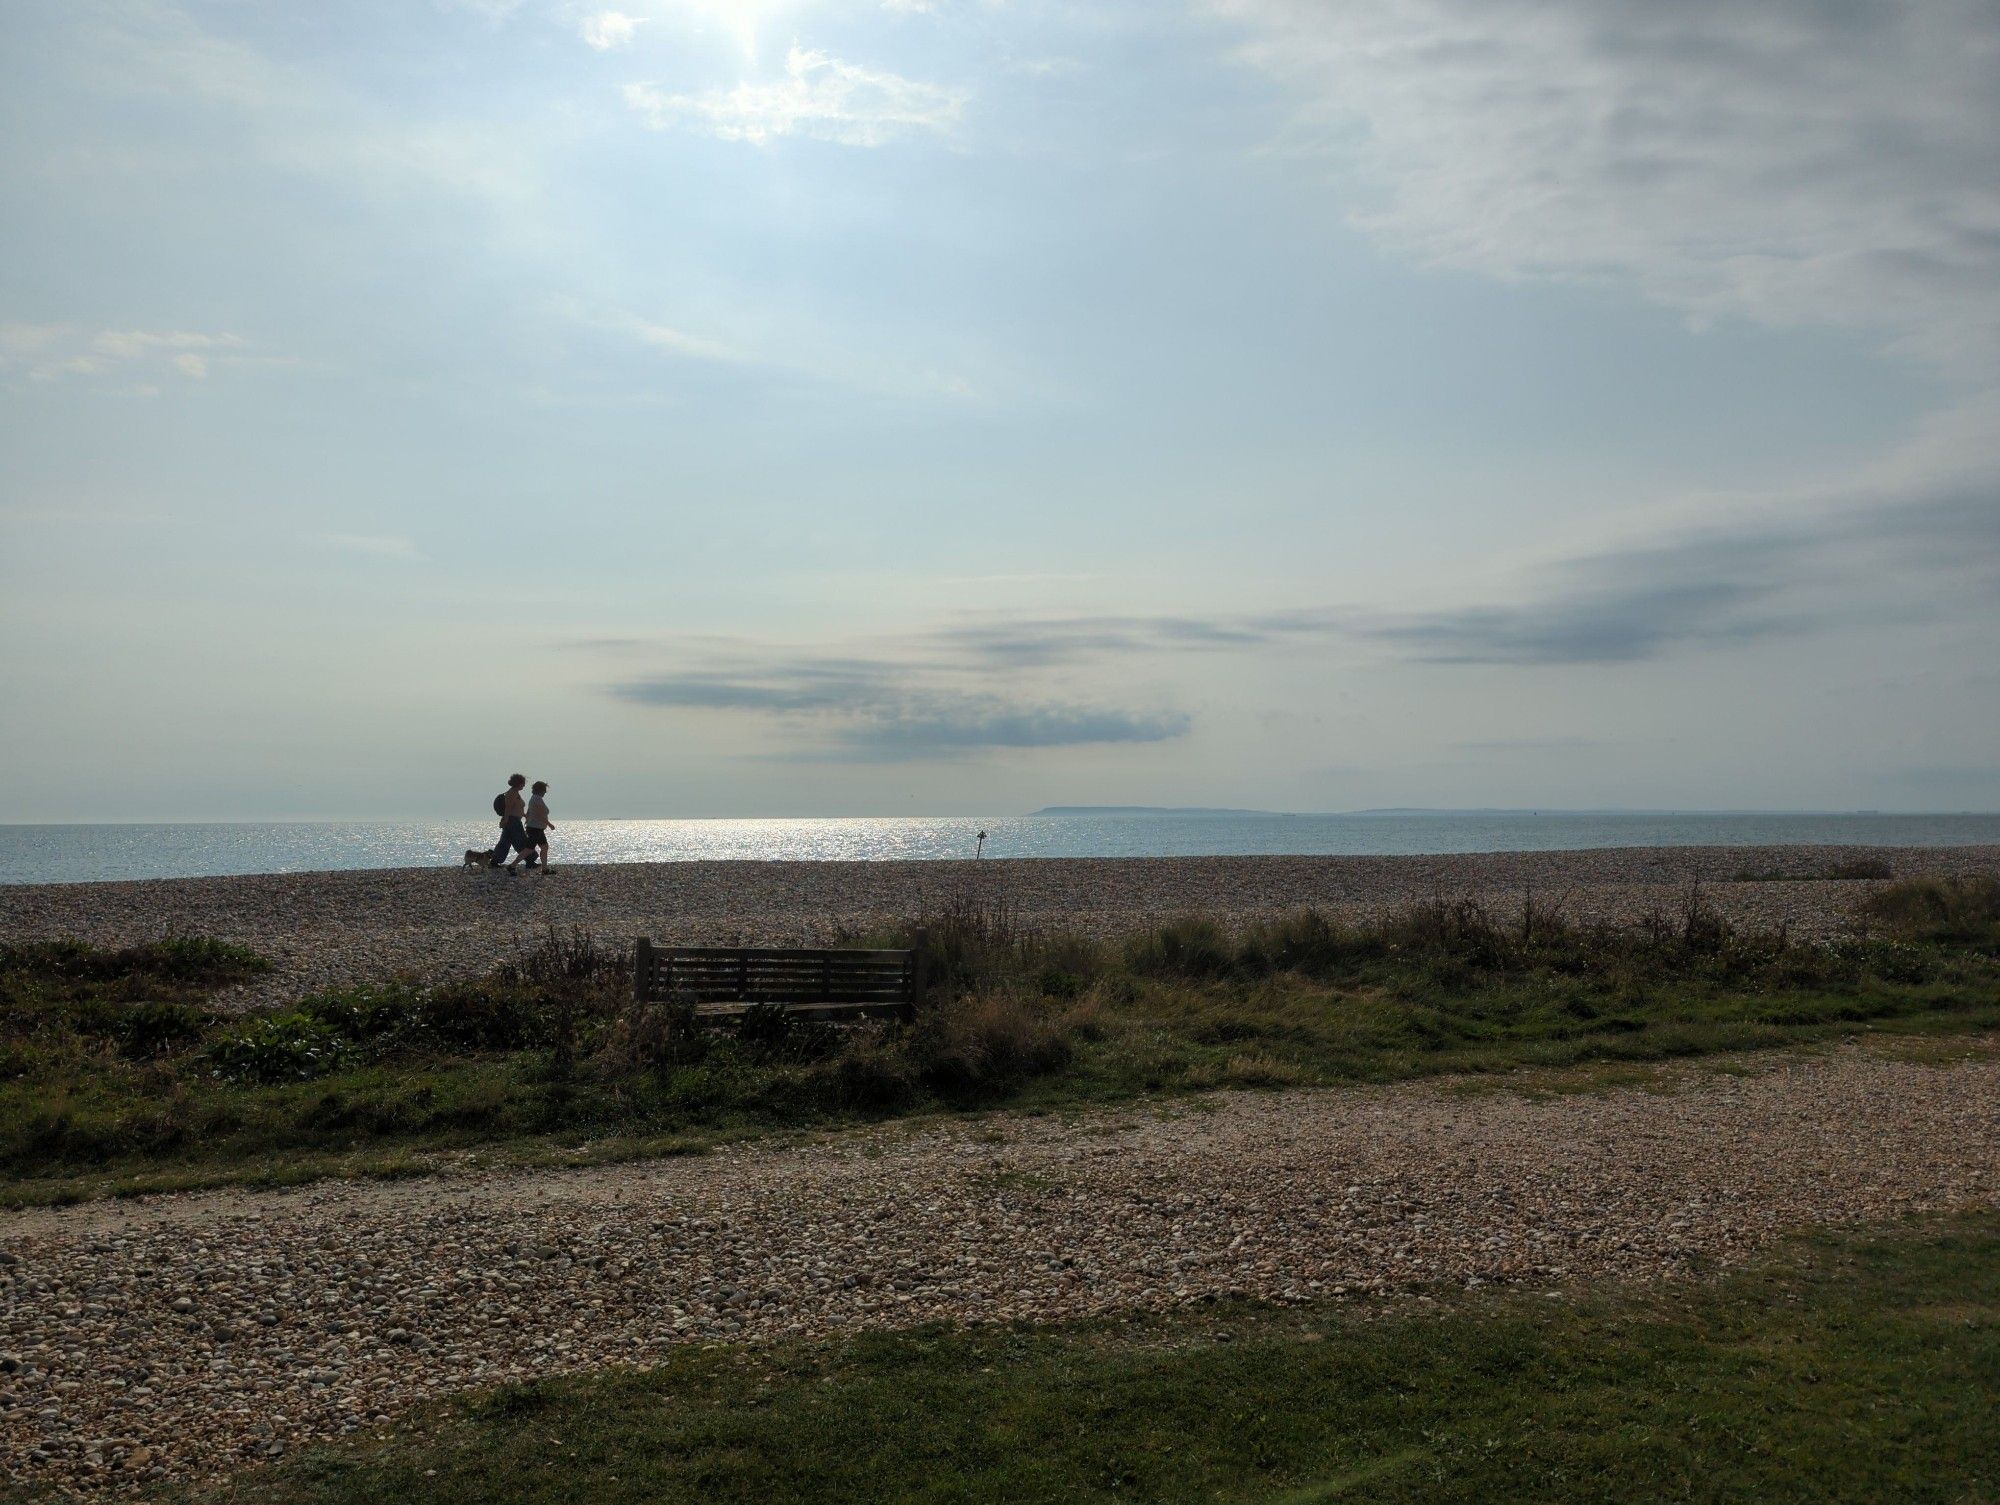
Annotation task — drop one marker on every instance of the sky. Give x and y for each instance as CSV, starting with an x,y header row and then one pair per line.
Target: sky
x,y
888,407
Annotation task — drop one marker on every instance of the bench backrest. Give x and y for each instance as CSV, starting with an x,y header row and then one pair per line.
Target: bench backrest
x,y
826,984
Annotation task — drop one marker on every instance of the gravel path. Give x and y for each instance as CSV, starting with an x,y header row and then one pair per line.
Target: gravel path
x,y
184,1337
326,929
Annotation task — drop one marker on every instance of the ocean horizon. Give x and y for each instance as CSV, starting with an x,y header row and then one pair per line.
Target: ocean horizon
x,y
113,851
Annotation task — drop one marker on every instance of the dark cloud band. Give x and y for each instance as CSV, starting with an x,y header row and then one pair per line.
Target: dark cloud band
x,y
971,686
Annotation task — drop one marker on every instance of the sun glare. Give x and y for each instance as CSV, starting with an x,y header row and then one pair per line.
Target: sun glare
x,y
747,23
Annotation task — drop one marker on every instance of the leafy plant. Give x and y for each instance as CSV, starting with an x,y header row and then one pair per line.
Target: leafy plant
x,y
291,1047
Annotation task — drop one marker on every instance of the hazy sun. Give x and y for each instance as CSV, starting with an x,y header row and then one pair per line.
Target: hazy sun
x,y
745,22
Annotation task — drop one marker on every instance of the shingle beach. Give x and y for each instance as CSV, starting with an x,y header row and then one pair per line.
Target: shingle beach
x,y
329,929
179,1338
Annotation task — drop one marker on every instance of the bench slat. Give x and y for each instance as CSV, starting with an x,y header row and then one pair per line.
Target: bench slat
x,y
686,985
777,951
803,995
791,971
790,964
778,985
723,982
784,980
768,980
811,1011
839,972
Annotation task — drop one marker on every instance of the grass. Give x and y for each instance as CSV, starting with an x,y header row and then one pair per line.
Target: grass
x,y
1853,869
117,1076
1857,1367
141,999
1941,911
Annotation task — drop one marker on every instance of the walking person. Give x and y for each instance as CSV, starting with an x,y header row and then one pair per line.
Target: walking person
x,y
539,825
510,807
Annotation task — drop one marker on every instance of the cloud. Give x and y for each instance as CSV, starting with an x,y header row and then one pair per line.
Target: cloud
x,y
981,646
938,691
665,337
1045,67
794,690
942,725
371,545
952,689
652,333
1913,539
1917,541
1794,162
1769,569
1809,163
819,96
603,644
1043,642
136,344
491,11
1599,628
773,350
871,710
610,28
294,118
60,352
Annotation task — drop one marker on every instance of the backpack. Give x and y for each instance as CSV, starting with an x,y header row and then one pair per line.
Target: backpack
x,y
500,805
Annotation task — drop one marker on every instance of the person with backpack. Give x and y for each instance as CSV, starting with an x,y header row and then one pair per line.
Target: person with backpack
x,y
511,807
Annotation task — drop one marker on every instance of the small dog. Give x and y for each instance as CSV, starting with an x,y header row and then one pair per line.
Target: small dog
x,y
476,858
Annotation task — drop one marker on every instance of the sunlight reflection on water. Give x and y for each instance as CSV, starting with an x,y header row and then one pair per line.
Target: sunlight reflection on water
x,y
78,853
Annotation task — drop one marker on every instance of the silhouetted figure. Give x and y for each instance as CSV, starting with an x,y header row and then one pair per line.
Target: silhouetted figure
x,y
510,807
539,825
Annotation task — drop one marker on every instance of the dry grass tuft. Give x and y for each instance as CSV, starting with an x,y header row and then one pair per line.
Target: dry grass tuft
x,y
1959,911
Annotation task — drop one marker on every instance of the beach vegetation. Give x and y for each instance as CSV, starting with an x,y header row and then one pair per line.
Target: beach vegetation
x,y
1961,911
122,1071
1848,870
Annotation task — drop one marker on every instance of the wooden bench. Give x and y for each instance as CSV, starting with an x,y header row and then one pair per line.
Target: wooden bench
x,y
725,982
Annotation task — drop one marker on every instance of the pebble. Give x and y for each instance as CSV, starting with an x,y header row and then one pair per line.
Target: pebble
x,y
382,1295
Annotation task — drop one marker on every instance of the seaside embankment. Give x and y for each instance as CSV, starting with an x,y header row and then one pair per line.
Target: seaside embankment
x,y
341,928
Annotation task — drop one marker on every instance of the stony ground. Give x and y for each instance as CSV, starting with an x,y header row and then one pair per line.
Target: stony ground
x,y
336,928
193,1335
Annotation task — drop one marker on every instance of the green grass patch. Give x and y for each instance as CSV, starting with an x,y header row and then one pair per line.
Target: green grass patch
x,y
139,1001
117,1075
1858,1367
1851,870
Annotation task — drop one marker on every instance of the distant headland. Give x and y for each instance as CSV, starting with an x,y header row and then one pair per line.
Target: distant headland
x,y
1146,810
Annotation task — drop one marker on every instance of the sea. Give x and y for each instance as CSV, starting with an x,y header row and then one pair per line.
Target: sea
x,y
101,853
